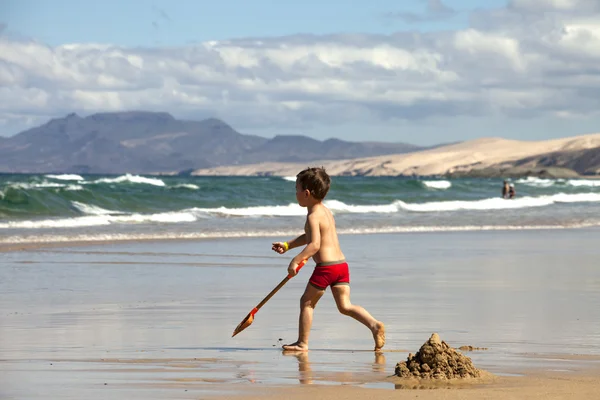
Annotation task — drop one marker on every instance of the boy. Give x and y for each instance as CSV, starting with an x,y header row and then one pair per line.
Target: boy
x,y
322,245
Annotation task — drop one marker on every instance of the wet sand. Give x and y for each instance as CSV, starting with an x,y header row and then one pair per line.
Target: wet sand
x,y
154,320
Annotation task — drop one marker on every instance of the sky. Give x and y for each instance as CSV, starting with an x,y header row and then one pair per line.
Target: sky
x,y
417,71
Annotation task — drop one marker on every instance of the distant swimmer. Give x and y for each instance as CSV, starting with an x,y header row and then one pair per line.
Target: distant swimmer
x,y
505,190
511,191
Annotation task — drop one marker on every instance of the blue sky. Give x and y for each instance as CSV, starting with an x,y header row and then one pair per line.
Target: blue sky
x,y
418,71
147,23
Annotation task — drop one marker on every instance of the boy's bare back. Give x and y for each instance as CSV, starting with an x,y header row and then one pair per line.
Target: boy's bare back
x,y
329,249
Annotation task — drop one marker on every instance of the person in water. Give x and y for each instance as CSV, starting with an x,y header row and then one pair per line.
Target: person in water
x,y
321,243
505,190
511,191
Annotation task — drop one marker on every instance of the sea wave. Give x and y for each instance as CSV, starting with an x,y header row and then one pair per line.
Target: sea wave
x,y
93,215
99,220
130,179
337,206
583,182
65,177
544,183
190,186
437,184
257,211
34,185
115,237
538,182
499,203
92,209
74,187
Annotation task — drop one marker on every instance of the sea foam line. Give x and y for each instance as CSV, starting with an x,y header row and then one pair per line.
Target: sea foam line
x,y
116,237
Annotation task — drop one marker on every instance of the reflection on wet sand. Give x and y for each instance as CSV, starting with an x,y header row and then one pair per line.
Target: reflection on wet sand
x,y
306,375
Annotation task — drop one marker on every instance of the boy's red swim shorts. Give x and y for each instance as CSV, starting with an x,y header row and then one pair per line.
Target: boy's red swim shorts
x,y
330,274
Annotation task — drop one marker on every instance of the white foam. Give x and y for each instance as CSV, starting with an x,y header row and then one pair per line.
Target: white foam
x,y
289,178
74,187
501,204
537,182
100,219
276,211
190,186
93,210
576,197
167,217
1,194
121,217
65,177
35,185
132,179
476,205
53,238
583,182
336,206
437,184
57,223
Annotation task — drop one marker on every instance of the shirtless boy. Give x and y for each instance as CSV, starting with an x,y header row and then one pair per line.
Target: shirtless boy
x,y
321,241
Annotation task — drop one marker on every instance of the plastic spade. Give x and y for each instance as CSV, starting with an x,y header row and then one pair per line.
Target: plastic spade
x,y
246,322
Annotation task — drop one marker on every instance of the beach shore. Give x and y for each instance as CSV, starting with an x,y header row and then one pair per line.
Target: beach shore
x,y
534,386
154,319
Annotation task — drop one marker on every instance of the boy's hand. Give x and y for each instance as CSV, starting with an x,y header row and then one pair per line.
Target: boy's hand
x,y
293,268
279,247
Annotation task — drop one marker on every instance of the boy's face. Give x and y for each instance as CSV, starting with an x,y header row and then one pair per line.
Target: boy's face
x,y
302,196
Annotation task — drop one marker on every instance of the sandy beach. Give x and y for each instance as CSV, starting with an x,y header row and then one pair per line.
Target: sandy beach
x,y
154,319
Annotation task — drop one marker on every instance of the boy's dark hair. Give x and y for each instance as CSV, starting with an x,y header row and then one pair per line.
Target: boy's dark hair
x,y
315,180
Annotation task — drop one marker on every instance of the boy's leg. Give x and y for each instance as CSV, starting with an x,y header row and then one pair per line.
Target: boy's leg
x,y
341,294
308,302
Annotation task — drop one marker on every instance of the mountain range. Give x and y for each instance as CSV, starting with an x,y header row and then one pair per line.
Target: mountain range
x,y
156,142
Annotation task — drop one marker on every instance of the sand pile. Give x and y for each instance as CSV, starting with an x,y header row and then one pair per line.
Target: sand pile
x,y
436,360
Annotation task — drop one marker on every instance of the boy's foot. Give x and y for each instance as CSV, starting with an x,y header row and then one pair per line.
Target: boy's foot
x,y
379,335
295,347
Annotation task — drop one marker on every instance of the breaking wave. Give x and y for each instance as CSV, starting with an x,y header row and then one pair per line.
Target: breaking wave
x,y
437,184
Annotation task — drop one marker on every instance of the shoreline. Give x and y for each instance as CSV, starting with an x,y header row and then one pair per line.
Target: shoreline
x,y
177,377
548,386
25,245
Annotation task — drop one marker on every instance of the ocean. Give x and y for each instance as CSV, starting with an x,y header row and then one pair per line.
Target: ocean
x,y
67,207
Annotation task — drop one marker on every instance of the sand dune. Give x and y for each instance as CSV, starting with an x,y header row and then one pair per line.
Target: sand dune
x,y
465,156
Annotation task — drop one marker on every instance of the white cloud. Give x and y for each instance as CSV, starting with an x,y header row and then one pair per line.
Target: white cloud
x,y
555,5
511,61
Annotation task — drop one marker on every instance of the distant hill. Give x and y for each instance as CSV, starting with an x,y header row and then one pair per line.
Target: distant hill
x,y
154,142
485,157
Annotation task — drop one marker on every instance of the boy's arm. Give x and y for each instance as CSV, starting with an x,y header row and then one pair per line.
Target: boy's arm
x,y
314,245
297,242
282,247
